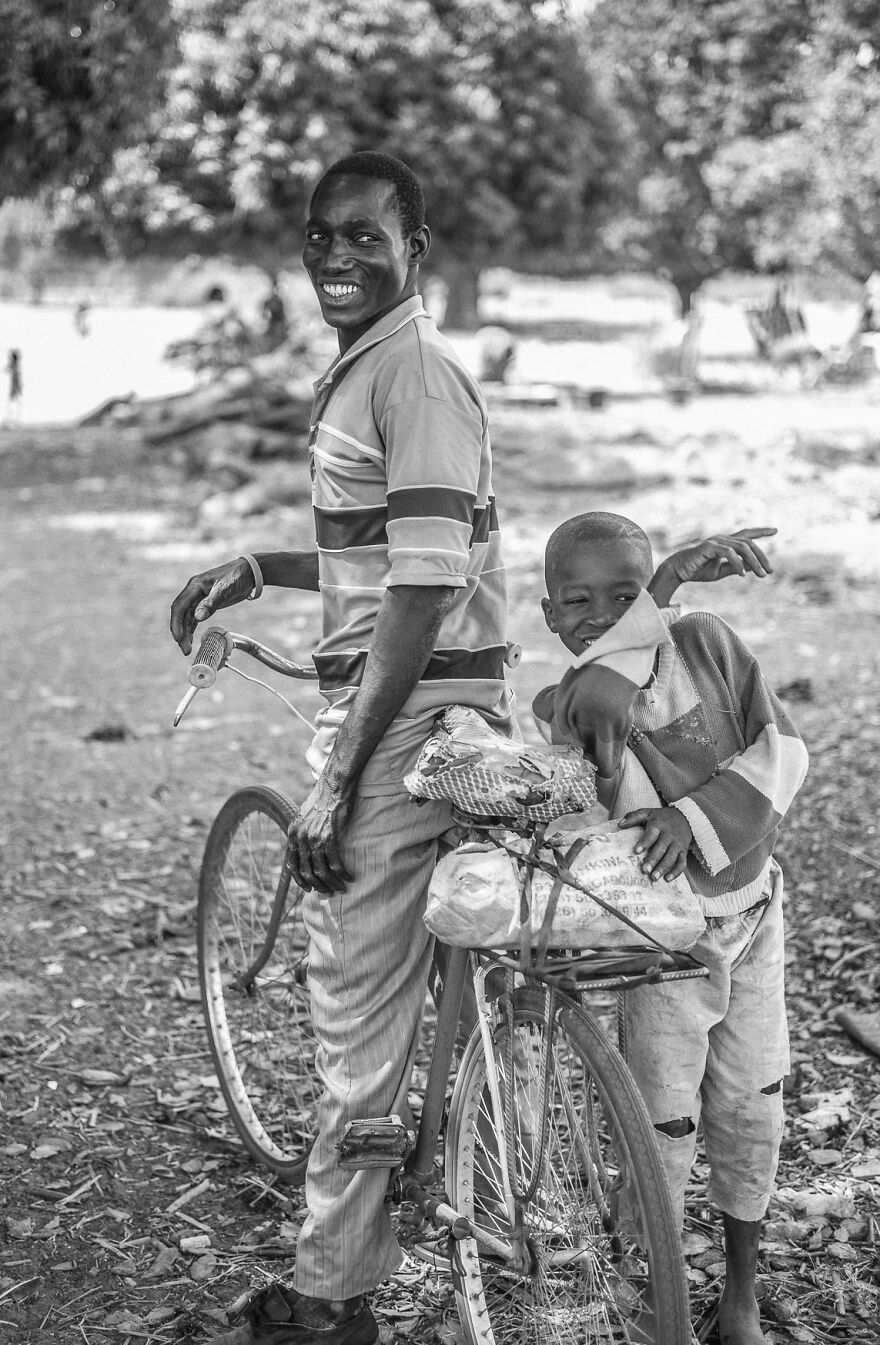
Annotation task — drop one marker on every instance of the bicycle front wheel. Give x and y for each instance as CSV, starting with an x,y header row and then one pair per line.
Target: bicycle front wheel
x,y
596,1253
253,961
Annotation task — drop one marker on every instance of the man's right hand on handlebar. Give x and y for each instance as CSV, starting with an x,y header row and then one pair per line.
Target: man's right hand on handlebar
x,y
204,594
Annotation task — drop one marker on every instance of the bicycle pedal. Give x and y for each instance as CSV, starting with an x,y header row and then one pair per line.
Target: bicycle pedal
x,y
375,1142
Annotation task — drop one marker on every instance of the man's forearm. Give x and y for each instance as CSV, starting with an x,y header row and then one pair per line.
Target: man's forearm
x,y
406,631
289,569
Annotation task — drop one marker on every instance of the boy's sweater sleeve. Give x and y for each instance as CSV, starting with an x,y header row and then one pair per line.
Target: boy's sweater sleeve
x,y
745,802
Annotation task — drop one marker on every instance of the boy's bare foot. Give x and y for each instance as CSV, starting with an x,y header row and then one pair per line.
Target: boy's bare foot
x,y
739,1320
738,1316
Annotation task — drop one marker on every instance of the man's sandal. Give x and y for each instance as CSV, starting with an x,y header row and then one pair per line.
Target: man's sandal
x,y
269,1319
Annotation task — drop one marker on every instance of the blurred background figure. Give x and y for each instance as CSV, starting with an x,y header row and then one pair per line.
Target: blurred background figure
x,y
274,317
497,351
81,317
15,388
870,321
435,297
672,353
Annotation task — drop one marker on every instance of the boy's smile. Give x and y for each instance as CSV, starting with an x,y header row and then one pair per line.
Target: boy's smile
x,y
591,591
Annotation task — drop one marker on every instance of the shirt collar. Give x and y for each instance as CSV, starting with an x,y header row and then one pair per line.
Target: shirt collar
x,y
380,331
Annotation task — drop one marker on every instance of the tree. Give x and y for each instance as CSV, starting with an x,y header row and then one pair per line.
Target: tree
x,y
492,103
694,78
810,197
77,79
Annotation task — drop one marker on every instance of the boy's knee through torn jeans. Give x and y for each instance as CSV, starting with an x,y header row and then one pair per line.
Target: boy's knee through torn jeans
x,y
716,1050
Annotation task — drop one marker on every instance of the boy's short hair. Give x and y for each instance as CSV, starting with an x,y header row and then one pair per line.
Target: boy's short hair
x,y
408,195
584,530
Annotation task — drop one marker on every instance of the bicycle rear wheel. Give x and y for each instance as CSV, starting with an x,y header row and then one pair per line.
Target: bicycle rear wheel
x,y
253,960
599,1253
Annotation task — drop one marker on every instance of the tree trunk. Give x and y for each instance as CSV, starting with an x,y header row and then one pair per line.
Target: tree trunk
x,y
463,279
685,287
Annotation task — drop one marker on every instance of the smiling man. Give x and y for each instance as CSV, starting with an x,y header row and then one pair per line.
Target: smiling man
x,y
415,607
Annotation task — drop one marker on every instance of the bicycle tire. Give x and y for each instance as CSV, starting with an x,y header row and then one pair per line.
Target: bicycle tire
x,y
260,1032
586,1277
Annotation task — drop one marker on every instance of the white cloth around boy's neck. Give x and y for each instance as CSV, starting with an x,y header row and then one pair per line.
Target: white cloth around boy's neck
x,y
630,646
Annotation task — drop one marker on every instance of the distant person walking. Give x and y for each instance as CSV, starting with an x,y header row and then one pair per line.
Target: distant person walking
x,y
15,390
81,317
274,317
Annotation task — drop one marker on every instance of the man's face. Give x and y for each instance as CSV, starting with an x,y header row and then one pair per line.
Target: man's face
x,y
356,255
591,591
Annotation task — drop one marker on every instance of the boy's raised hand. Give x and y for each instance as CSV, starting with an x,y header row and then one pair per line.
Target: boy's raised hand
x,y
719,556
664,846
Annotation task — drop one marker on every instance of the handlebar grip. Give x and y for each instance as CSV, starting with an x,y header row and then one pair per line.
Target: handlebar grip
x,y
215,649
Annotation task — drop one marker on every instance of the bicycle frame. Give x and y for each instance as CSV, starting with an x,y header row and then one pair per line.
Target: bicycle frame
x,y
417,1173
413,1174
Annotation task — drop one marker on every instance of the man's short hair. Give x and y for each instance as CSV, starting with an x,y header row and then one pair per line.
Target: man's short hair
x,y
385,168
584,530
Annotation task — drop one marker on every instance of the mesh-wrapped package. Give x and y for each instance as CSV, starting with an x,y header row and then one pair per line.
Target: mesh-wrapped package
x,y
488,775
475,899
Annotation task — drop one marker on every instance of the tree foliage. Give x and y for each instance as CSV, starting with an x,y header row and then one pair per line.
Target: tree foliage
x,y
810,196
77,79
692,79
492,103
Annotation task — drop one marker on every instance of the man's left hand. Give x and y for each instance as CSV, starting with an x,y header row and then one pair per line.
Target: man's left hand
x,y
316,839
664,846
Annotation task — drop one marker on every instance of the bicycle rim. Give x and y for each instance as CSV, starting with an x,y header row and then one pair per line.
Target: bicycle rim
x,y
599,1251
259,1026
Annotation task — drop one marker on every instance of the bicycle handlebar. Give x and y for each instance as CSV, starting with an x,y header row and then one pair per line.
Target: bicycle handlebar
x,y
215,649
213,654
217,645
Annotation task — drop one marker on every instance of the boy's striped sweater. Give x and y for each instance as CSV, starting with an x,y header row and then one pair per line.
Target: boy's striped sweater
x,y
715,743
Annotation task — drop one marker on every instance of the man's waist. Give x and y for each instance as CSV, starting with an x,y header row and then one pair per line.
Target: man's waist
x,y
342,670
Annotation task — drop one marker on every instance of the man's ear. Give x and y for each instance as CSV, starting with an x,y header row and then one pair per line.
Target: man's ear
x,y
549,615
419,245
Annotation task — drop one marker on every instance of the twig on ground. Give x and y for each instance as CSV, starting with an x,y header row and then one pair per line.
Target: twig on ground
x,y
856,854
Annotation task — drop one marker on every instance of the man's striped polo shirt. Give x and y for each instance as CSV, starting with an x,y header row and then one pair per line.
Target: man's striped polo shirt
x,y
402,493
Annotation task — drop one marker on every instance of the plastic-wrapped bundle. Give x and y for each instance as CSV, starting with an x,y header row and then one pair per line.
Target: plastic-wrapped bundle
x,y
488,775
476,895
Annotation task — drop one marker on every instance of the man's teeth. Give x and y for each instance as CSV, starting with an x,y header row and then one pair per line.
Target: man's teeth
x,y
339,291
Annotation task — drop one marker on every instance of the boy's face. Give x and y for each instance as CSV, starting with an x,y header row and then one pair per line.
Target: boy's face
x,y
590,591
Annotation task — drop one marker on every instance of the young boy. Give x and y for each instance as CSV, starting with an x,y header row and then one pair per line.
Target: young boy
x,y
691,744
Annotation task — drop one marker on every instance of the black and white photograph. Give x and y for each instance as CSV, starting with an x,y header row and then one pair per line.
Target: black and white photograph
x,y
440,538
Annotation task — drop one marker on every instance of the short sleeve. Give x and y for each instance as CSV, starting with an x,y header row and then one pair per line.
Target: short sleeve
x,y
434,450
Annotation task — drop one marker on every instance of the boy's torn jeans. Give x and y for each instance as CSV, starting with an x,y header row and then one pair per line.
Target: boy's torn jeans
x,y
715,1051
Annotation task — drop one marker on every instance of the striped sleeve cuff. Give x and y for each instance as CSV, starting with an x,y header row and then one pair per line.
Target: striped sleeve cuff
x,y
706,839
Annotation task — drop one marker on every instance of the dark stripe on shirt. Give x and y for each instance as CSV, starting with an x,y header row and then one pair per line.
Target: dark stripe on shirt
x,y
336,671
339,529
432,502
485,521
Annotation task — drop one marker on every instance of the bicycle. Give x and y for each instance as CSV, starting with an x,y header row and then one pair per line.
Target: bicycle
x,y
553,1202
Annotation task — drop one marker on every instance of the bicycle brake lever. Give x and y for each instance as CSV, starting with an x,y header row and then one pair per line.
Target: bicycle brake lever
x,y
184,705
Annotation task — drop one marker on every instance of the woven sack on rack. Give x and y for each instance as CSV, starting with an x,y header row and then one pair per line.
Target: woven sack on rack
x,y
475,899
486,774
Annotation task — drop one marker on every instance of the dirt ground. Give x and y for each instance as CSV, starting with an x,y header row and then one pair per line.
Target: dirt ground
x,y
114,1146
